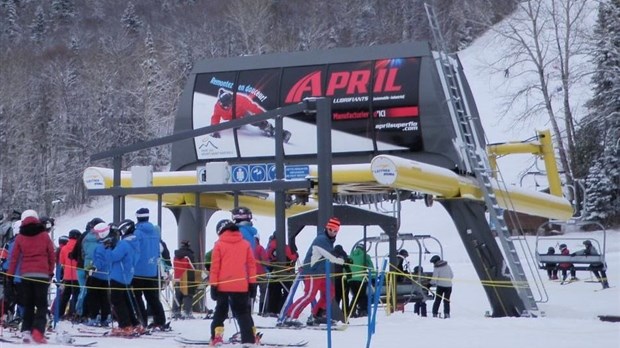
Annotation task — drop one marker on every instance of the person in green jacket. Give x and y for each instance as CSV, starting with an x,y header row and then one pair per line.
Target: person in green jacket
x,y
358,282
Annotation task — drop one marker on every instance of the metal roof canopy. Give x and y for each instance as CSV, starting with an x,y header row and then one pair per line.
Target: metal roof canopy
x,y
349,216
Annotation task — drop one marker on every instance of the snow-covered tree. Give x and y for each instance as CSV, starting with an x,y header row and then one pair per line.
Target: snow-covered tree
x,y
603,181
130,20
38,28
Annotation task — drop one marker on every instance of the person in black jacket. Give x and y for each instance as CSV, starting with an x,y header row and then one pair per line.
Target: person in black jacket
x,y
598,268
340,279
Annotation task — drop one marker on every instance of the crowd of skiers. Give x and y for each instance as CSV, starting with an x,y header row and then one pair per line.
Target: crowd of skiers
x,y
107,269
112,271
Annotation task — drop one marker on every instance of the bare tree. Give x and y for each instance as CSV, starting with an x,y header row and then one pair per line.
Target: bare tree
x,y
543,44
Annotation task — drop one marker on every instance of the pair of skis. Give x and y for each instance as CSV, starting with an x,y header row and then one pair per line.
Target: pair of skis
x,y
196,343
18,340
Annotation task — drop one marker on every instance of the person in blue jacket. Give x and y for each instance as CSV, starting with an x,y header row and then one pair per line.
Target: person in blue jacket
x,y
314,269
121,257
242,217
146,277
97,298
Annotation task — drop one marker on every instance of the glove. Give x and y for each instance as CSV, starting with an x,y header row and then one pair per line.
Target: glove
x,y
214,293
252,289
216,135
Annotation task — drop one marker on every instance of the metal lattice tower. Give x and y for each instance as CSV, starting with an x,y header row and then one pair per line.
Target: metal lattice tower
x,y
478,162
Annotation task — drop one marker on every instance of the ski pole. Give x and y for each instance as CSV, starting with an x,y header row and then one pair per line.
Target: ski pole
x,y
328,301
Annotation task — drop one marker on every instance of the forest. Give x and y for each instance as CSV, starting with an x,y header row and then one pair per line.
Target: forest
x,y
79,77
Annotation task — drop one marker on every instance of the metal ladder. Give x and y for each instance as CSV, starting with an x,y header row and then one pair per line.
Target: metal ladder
x,y
478,164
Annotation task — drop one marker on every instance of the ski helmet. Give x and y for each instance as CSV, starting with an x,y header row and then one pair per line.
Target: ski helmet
x,y
127,226
75,234
435,259
225,98
62,240
403,253
221,224
93,222
587,242
241,214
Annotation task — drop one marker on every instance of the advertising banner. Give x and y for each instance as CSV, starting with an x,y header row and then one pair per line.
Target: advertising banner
x,y
374,105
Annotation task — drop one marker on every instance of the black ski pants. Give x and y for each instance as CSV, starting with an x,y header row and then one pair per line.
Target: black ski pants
x,y
34,296
123,304
70,294
238,303
442,293
149,287
98,298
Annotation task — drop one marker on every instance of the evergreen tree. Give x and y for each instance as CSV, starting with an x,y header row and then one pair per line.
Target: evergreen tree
x,y
130,19
603,182
38,27
63,10
12,29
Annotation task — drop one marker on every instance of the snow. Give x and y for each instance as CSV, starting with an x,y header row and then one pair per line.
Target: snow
x,y
571,311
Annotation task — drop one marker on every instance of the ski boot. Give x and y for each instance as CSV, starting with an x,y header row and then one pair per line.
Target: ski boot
x,y
286,136
38,337
218,339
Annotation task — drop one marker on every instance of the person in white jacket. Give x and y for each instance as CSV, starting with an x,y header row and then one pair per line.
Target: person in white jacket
x,y
442,279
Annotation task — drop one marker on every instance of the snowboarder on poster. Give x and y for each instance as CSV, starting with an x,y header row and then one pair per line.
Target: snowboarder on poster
x,y
245,106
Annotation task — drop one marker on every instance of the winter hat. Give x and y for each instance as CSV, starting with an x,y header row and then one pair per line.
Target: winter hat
x,y
30,217
562,246
333,224
435,259
142,214
101,230
587,242
29,213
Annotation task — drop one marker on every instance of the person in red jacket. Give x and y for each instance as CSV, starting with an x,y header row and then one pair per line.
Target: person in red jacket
x,y
233,283
34,251
567,266
281,276
184,281
261,273
71,287
244,106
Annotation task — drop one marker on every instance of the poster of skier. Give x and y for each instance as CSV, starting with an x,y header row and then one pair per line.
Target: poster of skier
x,y
374,107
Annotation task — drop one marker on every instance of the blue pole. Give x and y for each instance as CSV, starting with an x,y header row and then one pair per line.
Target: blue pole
x,y
373,321
328,301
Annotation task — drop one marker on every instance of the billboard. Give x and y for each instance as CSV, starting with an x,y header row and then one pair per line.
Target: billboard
x,y
375,105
